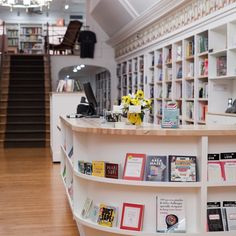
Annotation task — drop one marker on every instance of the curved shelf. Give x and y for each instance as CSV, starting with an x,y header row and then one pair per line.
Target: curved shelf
x,y
139,183
67,157
116,230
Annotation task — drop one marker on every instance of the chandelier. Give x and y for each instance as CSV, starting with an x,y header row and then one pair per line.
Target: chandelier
x,y
25,3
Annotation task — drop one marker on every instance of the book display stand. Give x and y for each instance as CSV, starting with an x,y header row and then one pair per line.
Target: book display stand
x,y
92,142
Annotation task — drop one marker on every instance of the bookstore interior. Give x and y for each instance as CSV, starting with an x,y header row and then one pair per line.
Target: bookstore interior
x,y
152,150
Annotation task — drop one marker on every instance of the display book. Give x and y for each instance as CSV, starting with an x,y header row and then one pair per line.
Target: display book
x,y
221,167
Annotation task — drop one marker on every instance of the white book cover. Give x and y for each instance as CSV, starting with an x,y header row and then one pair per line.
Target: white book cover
x,y
230,213
171,217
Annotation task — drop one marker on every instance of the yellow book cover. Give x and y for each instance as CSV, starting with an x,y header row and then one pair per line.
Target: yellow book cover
x,y
107,215
98,168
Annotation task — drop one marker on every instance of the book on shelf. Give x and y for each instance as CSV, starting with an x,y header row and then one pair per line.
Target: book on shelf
x,y
169,56
170,214
228,161
203,43
214,168
132,216
179,53
179,73
203,67
107,215
85,213
159,63
221,65
64,173
94,212
229,215
134,166
182,168
70,153
214,217
88,168
190,69
112,170
81,166
156,168
190,48
98,168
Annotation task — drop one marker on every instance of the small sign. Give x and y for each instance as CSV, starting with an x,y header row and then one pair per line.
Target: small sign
x,y
117,109
134,109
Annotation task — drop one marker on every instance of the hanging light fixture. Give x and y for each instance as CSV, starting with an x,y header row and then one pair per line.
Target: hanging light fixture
x,y
25,3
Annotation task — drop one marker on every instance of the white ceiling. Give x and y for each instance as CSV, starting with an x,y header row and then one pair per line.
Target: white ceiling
x,y
113,15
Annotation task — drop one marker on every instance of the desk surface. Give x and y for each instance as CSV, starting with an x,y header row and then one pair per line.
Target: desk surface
x,y
93,125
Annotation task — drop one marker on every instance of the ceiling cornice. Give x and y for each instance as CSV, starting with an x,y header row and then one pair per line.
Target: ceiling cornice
x,y
149,16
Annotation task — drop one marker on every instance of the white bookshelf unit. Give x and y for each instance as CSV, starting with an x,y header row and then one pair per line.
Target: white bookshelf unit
x,y
90,142
197,70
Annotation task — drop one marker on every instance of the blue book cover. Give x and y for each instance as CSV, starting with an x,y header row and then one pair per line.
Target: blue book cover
x,y
156,168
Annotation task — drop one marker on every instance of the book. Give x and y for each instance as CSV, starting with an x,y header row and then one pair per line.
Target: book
x,y
94,213
156,168
81,166
132,216
88,168
214,217
98,168
134,166
86,208
170,214
70,153
229,215
112,170
107,215
170,116
214,168
182,168
228,161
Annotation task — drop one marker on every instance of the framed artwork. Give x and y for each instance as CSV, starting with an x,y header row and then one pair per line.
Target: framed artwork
x,y
132,216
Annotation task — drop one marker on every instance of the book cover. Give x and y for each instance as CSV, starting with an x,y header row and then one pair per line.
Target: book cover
x,y
70,153
171,216
214,168
228,161
94,213
81,166
182,168
156,168
134,166
229,215
98,168
112,170
214,219
88,168
86,208
132,216
107,215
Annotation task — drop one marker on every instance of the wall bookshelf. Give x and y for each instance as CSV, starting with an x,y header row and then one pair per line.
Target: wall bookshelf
x,y
103,91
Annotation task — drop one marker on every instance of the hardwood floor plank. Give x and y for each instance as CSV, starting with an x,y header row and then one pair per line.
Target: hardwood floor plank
x,y
32,196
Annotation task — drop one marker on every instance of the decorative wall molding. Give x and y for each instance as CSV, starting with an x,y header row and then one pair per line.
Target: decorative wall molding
x,y
185,15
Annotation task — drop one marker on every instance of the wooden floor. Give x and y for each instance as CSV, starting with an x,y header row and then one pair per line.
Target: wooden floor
x,y
32,196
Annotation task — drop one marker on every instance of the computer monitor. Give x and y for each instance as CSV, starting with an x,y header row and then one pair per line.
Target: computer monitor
x,y
91,99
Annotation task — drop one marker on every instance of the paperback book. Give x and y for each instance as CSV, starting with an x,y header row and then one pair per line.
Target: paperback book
x,y
107,215
86,208
182,168
214,217
229,215
214,170
112,170
170,214
88,168
228,161
156,168
98,168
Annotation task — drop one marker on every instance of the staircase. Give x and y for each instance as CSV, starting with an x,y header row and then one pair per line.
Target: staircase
x,y
25,100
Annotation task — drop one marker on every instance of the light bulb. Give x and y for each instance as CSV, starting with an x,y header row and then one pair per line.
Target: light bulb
x,y
66,6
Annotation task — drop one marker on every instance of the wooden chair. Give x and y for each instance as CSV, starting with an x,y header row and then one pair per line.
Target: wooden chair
x,y
69,39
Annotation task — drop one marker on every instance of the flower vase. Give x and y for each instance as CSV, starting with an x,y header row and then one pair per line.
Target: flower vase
x,y
135,118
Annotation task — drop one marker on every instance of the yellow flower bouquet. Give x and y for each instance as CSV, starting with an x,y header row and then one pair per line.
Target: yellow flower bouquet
x,y
140,105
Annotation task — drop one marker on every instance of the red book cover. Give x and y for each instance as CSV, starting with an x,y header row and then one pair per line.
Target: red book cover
x,y
112,170
132,216
134,166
